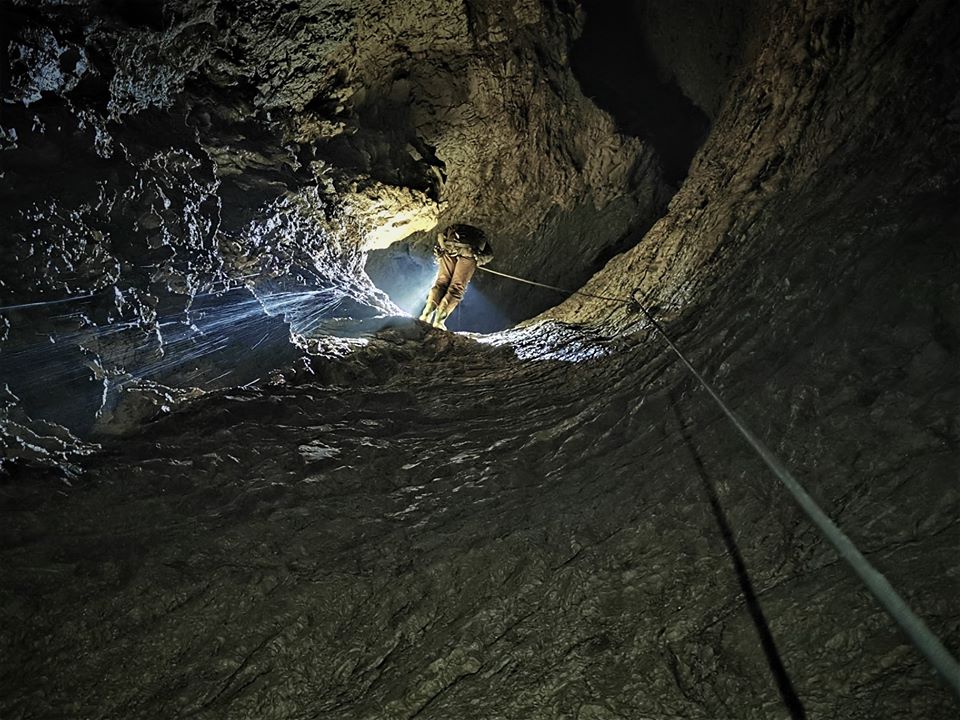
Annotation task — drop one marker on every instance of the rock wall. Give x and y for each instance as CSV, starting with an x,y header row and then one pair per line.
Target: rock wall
x,y
555,522
827,153
154,152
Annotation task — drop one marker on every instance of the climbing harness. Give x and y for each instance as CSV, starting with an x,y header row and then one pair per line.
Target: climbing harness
x,y
916,630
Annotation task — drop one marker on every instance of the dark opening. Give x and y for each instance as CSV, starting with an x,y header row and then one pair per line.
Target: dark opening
x,y
138,13
618,72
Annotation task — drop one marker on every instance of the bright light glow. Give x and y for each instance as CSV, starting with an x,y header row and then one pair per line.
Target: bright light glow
x,y
550,341
230,322
389,214
476,313
397,228
415,297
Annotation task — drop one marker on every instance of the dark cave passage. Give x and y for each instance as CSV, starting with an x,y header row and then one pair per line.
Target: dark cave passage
x,y
616,69
237,481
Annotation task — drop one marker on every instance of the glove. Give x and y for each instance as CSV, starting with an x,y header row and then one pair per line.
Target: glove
x,y
484,253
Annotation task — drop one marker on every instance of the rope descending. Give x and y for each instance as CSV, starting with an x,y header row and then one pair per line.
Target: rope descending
x,y
912,625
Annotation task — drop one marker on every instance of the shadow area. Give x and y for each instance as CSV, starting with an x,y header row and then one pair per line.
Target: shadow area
x,y
774,662
620,74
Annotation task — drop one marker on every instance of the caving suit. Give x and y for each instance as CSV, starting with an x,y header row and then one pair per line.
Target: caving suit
x,y
460,249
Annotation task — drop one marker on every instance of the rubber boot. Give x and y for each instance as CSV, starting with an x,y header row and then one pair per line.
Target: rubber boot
x,y
438,320
428,311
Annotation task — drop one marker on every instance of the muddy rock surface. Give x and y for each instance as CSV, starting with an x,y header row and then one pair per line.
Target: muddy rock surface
x,y
464,533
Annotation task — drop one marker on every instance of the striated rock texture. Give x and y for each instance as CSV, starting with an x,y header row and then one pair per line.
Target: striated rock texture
x,y
438,529
550,522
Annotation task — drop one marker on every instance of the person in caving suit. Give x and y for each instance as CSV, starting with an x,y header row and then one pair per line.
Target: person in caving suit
x,y
461,249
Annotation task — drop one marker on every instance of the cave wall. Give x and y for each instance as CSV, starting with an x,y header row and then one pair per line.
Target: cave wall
x,y
154,152
124,208
808,267
440,528
521,152
833,149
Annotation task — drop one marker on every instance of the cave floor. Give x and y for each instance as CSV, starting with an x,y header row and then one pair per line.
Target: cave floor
x,y
441,530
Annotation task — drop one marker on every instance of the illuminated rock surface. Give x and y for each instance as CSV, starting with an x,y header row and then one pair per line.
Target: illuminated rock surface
x,y
385,521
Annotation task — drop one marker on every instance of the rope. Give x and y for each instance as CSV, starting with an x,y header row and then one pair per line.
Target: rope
x,y
48,302
557,289
916,630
